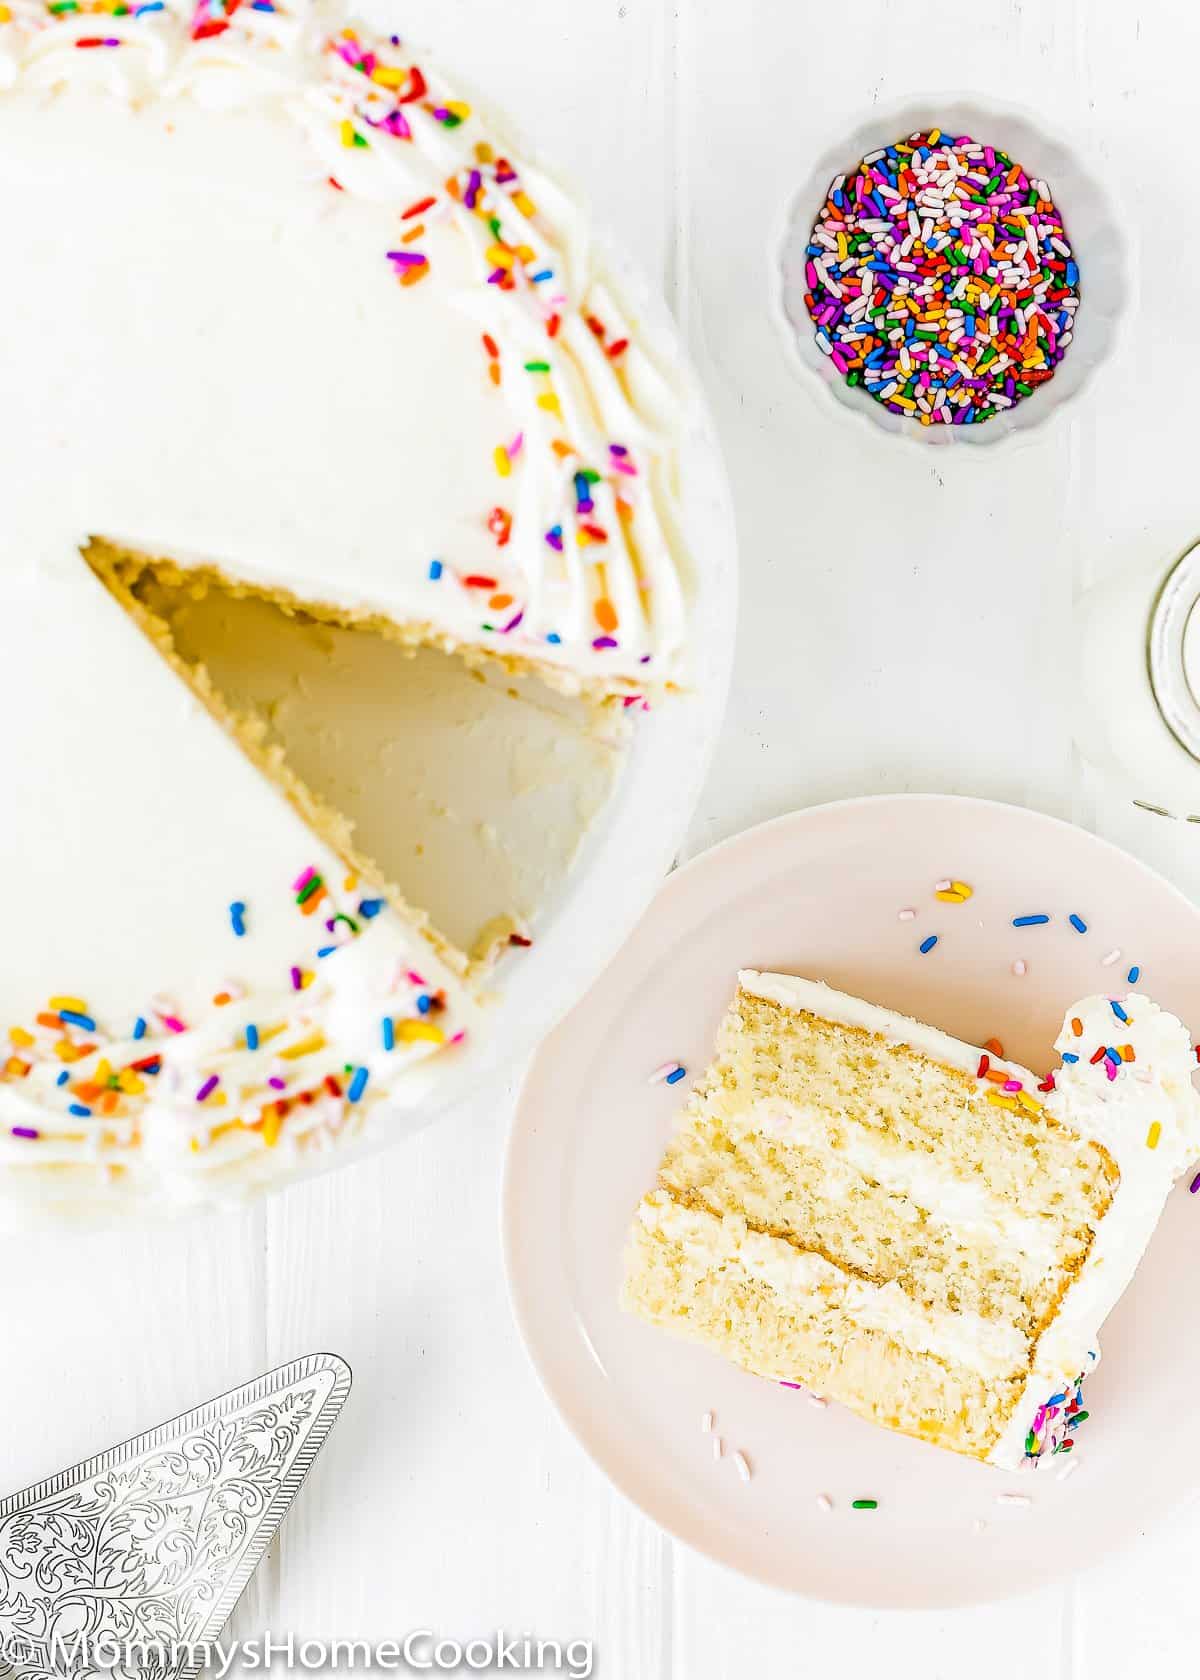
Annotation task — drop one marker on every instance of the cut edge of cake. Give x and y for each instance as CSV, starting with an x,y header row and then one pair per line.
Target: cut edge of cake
x,y
124,573
806,1226
123,567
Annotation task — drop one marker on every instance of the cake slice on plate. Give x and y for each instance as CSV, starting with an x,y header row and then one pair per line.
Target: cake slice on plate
x,y
865,1206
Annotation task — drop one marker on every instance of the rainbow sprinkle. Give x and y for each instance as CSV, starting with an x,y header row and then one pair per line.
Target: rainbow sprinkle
x,y
1056,1420
940,279
952,892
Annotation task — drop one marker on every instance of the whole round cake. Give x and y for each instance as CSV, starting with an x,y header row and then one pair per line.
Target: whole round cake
x,y
289,330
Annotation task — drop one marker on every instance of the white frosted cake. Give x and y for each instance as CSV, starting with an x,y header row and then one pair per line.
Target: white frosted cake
x,y
285,321
866,1207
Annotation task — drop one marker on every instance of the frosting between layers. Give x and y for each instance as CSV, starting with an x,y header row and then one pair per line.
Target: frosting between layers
x,y
992,1350
931,1186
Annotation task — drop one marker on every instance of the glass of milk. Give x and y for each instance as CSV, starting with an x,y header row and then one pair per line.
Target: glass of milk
x,y
1138,653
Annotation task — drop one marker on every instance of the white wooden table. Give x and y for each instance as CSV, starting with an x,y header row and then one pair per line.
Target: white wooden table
x,y
877,652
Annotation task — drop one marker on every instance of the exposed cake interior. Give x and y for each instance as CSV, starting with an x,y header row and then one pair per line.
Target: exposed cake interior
x,y
869,1218
460,787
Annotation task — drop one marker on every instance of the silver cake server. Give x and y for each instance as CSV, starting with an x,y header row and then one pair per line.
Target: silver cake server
x,y
133,1561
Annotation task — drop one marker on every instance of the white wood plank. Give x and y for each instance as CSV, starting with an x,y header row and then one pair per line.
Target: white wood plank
x,y
109,1333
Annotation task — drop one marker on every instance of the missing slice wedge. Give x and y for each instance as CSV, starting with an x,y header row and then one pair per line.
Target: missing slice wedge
x,y
464,789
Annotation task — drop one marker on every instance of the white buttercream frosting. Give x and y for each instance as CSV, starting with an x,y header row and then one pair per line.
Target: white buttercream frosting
x,y
1147,1116
925,1180
207,356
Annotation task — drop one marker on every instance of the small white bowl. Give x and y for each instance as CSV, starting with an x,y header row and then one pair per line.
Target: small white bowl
x,y
1093,226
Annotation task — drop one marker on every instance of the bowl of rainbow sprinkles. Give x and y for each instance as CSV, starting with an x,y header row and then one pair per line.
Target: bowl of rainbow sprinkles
x,y
950,272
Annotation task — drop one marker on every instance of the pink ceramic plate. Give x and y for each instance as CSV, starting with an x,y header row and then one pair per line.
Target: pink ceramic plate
x,y
819,893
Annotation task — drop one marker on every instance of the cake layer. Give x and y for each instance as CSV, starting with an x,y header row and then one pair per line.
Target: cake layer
x,y
792,1317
